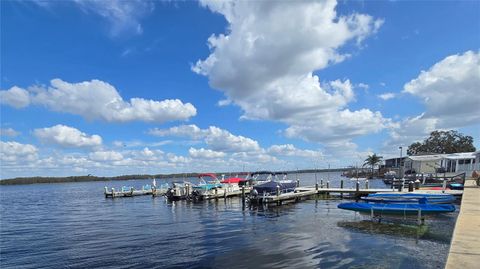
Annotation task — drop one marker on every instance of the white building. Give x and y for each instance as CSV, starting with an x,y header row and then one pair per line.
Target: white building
x,y
457,163
477,160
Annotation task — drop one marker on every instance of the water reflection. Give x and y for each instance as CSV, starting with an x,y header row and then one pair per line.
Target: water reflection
x,y
60,225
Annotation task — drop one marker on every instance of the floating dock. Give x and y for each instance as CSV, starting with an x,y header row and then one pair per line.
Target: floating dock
x,y
224,193
465,244
304,192
126,193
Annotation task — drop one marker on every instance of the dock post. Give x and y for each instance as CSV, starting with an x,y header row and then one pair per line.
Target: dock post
x,y
298,182
225,194
106,191
366,184
328,184
321,183
243,196
316,187
278,190
444,185
341,187
113,192
417,184
357,186
419,217
216,192
410,186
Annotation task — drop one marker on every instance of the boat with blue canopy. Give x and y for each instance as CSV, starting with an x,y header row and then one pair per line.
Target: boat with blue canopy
x,y
211,183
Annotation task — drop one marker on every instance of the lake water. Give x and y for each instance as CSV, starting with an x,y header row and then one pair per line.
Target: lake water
x,y
72,225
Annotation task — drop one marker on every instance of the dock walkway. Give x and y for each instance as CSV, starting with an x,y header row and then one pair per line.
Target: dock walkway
x,y
465,245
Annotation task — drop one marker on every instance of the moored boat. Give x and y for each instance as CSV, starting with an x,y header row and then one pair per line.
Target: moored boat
x,y
273,184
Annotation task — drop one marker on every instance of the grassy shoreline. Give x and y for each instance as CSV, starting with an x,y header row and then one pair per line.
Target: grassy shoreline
x,y
39,180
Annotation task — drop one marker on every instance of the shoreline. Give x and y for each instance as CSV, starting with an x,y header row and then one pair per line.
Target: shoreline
x,y
89,178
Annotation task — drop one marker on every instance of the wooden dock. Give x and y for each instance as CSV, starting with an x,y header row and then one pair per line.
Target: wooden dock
x,y
465,244
224,193
125,193
305,192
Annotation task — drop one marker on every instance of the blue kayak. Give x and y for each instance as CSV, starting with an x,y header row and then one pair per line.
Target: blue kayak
x,y
398,208
410,195
415,199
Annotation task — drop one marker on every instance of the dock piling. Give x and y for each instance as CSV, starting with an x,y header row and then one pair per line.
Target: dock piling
x,y
357,186
410,186
417,184
243,195
366,184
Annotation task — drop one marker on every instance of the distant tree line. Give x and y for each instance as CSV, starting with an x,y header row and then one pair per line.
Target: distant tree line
x,y
36,180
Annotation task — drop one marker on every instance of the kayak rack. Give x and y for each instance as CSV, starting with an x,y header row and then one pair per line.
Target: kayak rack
x,y
375,216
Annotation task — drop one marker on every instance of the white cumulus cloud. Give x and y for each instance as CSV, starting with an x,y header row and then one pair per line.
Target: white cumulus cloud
x,y
291,150
66,136
103,156
12,151
16,97
9,132
386,96
450,90
265,64
96,99
205,153
451,93
218,139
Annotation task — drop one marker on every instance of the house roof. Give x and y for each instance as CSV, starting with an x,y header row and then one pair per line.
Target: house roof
x,y
436,157
427,157
462,155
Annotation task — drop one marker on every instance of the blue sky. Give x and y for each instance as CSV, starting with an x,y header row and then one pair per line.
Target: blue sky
x,y
109,87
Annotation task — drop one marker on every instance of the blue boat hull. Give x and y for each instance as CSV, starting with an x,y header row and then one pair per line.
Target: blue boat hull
x,y
408,209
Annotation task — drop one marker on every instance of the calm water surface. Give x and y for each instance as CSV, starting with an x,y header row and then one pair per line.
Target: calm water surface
x,y
72,225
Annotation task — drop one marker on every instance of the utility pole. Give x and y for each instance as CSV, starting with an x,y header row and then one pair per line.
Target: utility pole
x,y
401,165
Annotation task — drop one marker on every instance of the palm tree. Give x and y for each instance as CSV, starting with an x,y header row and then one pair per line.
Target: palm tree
x,y
373,160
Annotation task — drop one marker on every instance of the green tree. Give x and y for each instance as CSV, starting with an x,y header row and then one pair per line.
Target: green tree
x,y
373,160
443,142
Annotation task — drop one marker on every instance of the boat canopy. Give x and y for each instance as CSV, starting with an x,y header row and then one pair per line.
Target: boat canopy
x,y
212,175
233,180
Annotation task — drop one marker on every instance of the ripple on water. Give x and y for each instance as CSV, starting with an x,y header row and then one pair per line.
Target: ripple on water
x,y
73,225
